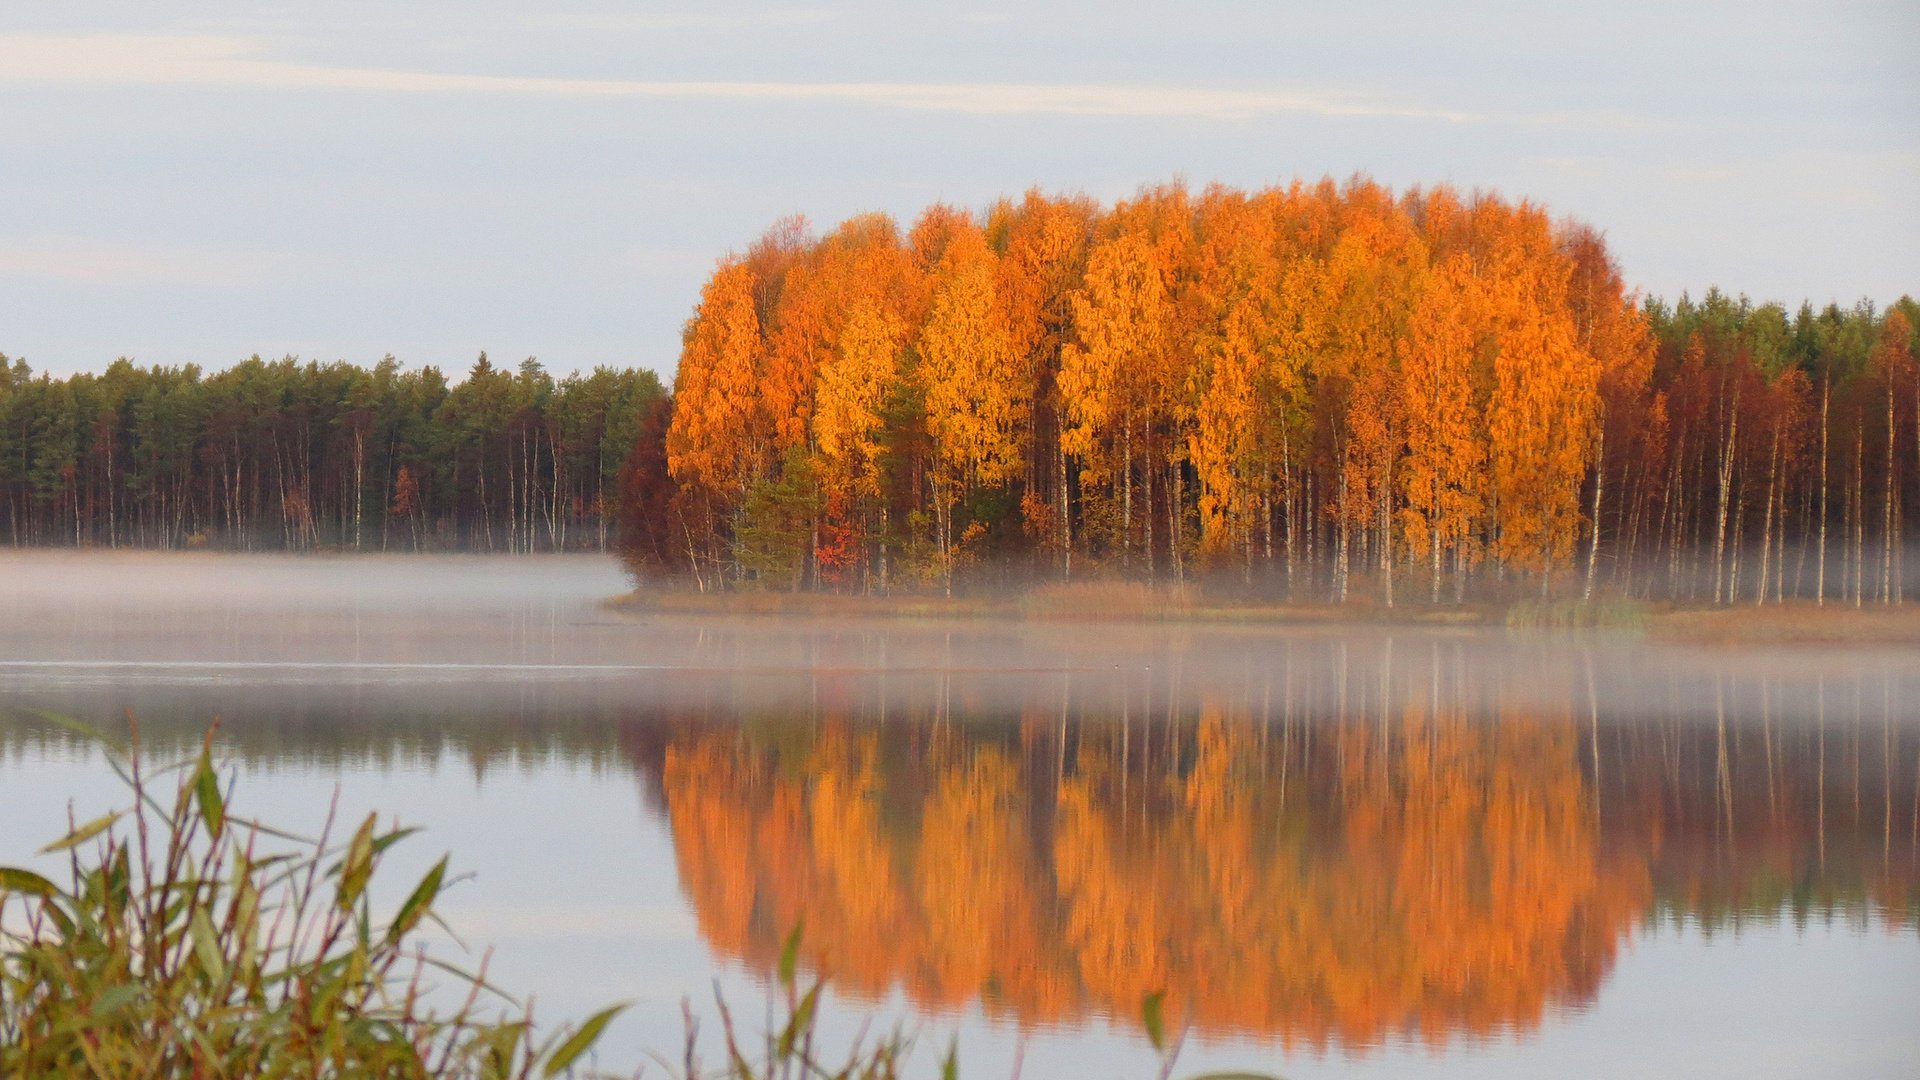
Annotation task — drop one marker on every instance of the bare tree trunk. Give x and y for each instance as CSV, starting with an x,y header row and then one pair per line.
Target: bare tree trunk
x,y
1726,483
1342,540
1599,482
1066,520
1859,515
1766,529
1385,525
1126,499
1737,531
1147,472
1886,516
1820,560
1286,504
1173,519
359,483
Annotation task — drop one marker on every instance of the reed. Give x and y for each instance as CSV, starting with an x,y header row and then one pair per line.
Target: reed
x,y
188,941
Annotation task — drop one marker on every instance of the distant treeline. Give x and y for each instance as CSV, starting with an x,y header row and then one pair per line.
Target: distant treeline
x,y
298,456
1321,391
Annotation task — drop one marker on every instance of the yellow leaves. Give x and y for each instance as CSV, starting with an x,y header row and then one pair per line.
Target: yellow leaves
x,y
1447,872
1431,373
1121,317
853,388
1245,377
976,396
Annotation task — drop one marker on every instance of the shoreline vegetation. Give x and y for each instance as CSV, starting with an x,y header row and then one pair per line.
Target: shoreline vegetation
x,y
1325,392
1791,623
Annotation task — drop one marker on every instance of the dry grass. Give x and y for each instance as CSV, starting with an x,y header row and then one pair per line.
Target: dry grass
x,y
1799,622
1080,601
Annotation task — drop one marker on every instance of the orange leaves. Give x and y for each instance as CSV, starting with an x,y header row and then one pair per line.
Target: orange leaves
x,y
1543,410
1245,373
720,433
1430,376
1441,478
976,399
1431,870
1121,317
853,387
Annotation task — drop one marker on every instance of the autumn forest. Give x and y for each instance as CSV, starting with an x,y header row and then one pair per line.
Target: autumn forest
x,y
1313,392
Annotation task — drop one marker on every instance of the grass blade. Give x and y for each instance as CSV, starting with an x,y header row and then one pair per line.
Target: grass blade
x,y
1153,1015
84,833
790,952
580,1041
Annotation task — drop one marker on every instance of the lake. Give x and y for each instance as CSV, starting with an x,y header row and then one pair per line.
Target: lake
x,y
1340,853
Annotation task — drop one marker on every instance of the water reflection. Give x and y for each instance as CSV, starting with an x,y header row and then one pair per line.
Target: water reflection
x,y
1439,873
1320,843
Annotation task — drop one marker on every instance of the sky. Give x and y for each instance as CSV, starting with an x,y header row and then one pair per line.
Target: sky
x,y
197,182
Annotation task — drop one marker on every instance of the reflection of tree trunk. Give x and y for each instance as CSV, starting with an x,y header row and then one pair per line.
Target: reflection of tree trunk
x,y
1722,771
1886,762
1820,726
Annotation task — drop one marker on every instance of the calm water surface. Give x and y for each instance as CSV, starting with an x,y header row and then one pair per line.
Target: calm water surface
x,y
1341,855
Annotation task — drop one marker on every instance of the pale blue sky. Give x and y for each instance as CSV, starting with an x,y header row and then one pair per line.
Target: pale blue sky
x,y
198,182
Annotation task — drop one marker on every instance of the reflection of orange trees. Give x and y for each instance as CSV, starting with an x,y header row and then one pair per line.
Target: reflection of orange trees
x,y
1320,884
1443,884
760,848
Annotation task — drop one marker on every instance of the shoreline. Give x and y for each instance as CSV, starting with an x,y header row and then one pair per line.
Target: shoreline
x,y
1114,603
1798,622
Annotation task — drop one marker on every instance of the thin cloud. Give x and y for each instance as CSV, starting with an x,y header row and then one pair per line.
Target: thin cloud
x,y
91,261
105,60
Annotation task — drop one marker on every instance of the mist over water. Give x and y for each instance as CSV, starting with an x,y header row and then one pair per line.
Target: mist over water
x,y
1342,852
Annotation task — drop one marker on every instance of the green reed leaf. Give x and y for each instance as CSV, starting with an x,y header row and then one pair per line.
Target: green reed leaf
x,y
15,880
206,793
790,952
798,1024
206,946
84,833
419,902
1153,1015
580,1041
357,867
